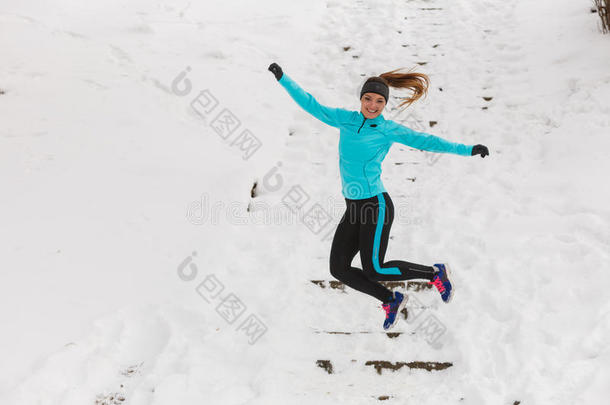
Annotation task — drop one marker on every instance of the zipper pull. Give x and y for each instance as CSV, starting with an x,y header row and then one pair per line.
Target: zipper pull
x,y
362,125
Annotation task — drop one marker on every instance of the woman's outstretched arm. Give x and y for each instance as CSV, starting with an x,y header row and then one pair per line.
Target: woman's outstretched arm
x,y
423,141
331,116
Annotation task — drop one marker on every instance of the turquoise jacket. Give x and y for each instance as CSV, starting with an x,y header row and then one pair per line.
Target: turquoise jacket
x,y
364,143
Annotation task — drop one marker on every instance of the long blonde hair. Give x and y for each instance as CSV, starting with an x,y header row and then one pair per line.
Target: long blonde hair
x,y
418,83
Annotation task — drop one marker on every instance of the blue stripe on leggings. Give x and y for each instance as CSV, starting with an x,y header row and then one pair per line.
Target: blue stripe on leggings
x,y
377,242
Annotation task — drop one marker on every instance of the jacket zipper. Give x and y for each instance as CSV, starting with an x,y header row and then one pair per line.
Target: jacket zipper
x,y
361,125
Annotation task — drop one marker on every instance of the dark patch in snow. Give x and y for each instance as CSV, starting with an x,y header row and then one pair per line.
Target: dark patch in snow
x,y
326,365
423,365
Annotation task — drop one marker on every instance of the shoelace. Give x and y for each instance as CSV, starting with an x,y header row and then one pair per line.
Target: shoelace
x,y
387,308
438,284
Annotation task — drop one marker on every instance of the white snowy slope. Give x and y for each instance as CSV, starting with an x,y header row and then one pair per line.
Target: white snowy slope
x,y
121,204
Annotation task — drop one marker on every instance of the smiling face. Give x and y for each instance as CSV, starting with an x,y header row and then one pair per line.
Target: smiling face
x,y
372,105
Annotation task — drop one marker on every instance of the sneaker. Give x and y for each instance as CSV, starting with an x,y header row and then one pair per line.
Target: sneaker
x,y
392,309
442,283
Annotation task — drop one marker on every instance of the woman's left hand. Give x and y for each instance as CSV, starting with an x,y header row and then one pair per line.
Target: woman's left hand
x,y
480,150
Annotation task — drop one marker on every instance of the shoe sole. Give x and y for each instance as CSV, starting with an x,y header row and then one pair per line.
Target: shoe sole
x,y
448,270
400,308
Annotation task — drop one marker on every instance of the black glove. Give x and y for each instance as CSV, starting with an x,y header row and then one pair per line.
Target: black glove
x,y
276,70
480,150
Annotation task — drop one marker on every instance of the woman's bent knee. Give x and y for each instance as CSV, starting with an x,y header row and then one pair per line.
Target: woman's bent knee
x,y
338,268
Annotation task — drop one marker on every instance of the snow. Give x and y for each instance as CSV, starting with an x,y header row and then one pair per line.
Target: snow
x,y
111,180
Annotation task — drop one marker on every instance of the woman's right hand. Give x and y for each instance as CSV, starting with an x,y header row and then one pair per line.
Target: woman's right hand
x,y
276,70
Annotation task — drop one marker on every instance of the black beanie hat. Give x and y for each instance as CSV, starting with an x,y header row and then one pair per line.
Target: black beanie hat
x,y
372,86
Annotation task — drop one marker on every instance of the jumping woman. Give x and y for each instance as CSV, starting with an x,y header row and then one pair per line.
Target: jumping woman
x,y
365,138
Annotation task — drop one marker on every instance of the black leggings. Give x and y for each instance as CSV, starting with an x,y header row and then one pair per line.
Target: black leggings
x,y
361,230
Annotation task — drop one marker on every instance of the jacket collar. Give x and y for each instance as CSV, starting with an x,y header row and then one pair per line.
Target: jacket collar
x,y
377,120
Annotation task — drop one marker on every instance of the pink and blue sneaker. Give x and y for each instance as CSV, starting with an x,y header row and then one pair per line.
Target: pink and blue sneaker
x,y
442,283
392,309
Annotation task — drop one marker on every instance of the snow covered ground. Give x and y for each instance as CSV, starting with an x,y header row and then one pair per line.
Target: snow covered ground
x,y
123,211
